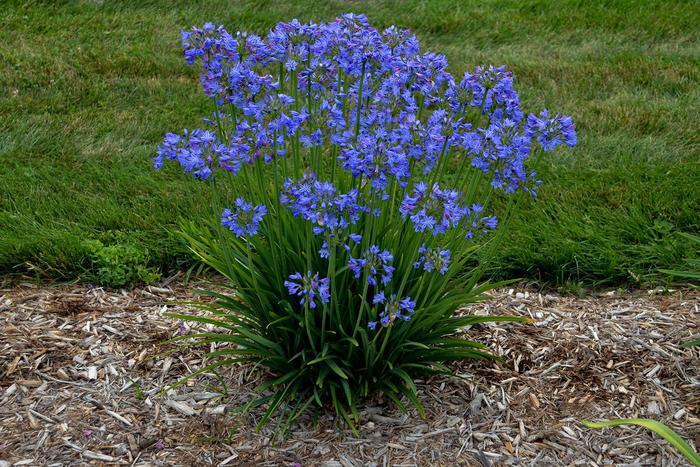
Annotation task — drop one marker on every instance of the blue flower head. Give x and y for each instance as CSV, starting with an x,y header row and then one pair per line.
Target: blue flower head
x,y
310,288
374,262
432,209
394,308
197,151
243,219
489,89
319,203
478,223
432,259
551,132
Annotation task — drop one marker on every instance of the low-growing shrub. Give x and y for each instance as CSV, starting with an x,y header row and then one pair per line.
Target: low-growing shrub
x,y
119,265
363,174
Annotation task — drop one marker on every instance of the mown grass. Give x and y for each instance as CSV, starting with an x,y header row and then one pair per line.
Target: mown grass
x,y
91,87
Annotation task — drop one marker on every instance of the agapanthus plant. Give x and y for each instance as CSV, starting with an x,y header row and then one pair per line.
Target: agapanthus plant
x,y
360,174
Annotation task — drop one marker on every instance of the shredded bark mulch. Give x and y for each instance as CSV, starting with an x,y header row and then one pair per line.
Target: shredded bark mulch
x,y
81,368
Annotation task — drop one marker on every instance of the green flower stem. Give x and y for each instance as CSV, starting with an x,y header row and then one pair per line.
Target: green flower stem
x,y
474,181
309,250
419,102
279,256
334,299
251,269
219,126
359,100
436,170
334,151
234,117
295,139
363,304
394,184
410,255
427,291
307,325
368,237
387,333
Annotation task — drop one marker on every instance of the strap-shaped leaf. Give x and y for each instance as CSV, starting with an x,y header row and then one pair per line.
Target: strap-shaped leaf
x,y
691,343
657,427
336,369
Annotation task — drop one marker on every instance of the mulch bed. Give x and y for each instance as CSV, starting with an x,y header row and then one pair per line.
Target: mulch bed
x,y
80,373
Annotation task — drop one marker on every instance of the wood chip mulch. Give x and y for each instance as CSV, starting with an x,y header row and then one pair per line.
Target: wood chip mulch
x,y
80,376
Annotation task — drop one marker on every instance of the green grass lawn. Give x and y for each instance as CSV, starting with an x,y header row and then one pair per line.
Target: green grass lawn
x,y
89,88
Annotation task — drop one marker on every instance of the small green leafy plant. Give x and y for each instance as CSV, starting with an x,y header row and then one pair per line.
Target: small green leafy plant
x,y
119,265
657,427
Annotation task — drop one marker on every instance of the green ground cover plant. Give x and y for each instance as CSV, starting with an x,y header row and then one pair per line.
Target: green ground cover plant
x,y
91,86
119,265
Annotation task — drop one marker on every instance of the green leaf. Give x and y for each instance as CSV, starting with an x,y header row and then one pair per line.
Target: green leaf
x,y
321,359
684,274
410,392
200,319
657,427
691,343
206,369
336,369
341,410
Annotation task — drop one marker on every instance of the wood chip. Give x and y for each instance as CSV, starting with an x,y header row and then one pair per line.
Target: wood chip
x,y
81,386
119,417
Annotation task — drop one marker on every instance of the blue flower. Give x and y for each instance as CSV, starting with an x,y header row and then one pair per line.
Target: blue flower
x,y
379,297
432,209
197,151
373,262
244,219
433,259
478,223
194,151
381,149
489,89
319,203
310,288
394,308
551,132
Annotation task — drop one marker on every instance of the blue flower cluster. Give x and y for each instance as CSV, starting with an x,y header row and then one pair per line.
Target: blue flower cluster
x,y
432,259
373,261
244,219
437,210
550,131
394,308
380,121
195,151
389,109
478,223
310,288
319,203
